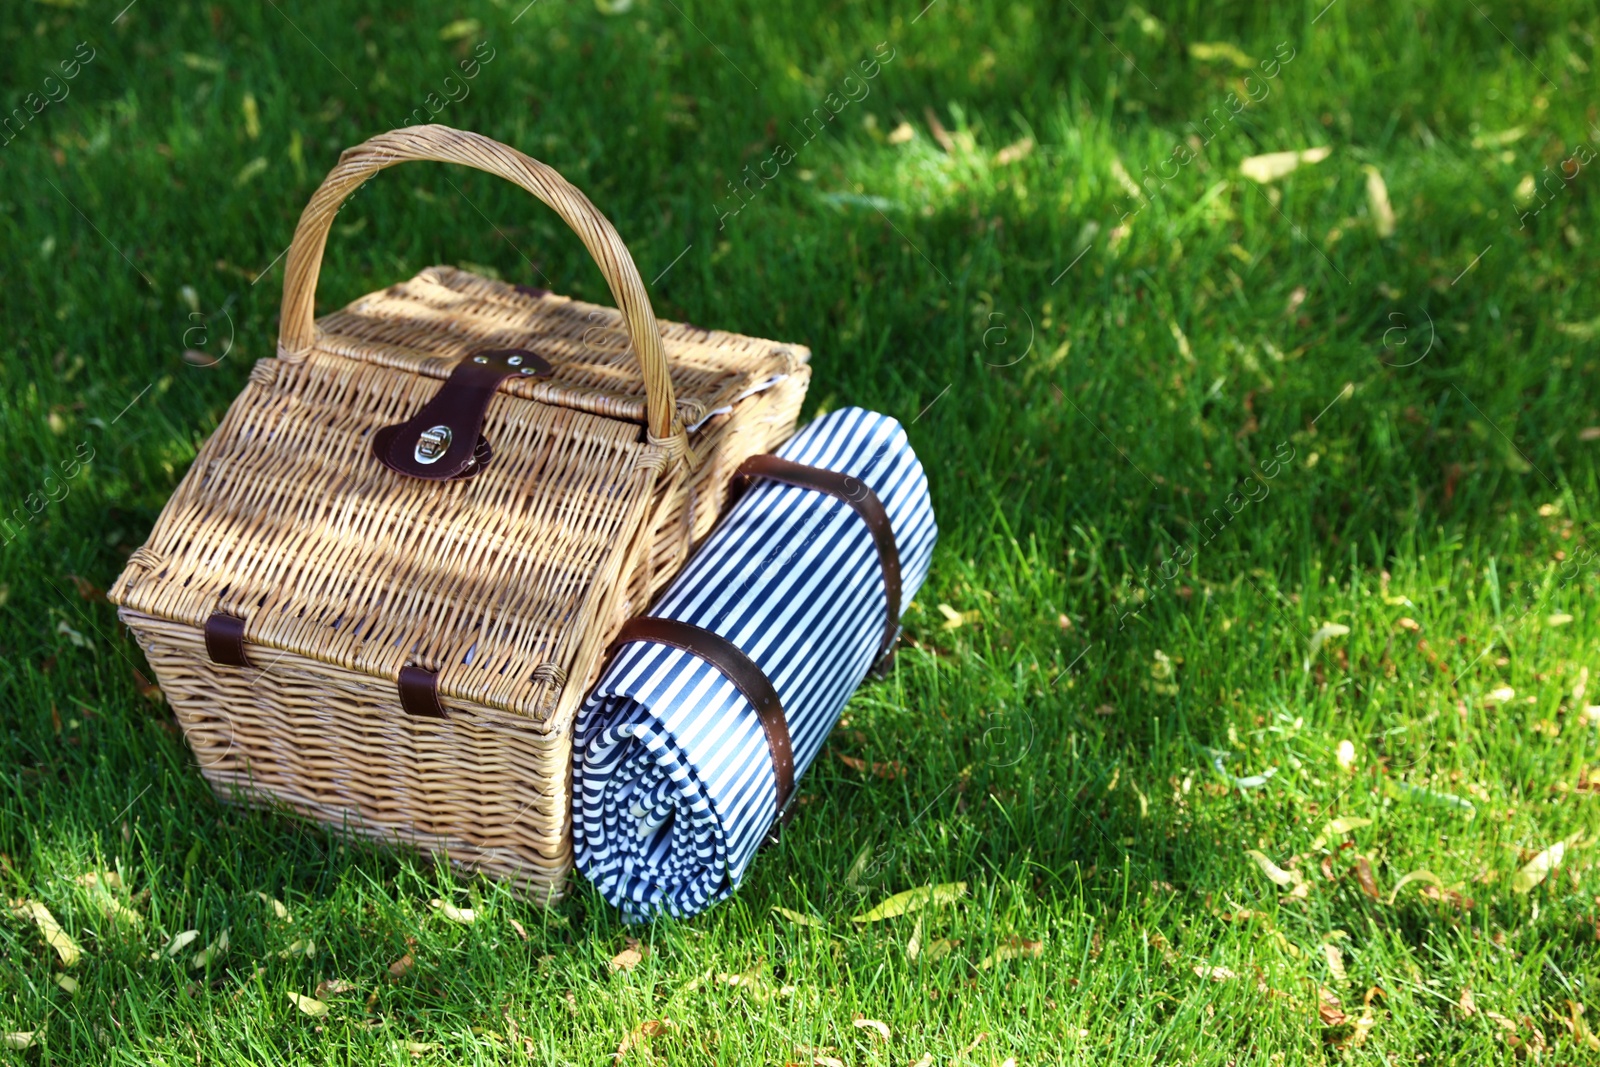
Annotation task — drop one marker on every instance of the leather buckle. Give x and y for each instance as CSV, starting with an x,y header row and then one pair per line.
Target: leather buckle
x,y
444,440
859,496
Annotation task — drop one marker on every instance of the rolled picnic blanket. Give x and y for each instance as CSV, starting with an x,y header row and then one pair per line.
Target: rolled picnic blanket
x,y
718,699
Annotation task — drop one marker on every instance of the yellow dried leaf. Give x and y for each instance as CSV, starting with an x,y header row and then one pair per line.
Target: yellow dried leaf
x,y
1206,51
891,770
1325,631
881,1029
401,967
953,619
1345,755
636,1036
1468,1003
211,951
801,919
1216,974
1124,179
310,1005
250,171
1013,153
117,910
67,983
333,987
1560,618
1501,695
1329,1008
279,912
1423,875
1538,869
109,879
1363,1029
626,960
99,885
464,916
50,930
913,899
1583,330
1500,138
1012,948
1580,1027
1378,203
178,943
306,948
460,28
19,1039
1335,960
252,116
902,133
1274,165
1338,828
1278,875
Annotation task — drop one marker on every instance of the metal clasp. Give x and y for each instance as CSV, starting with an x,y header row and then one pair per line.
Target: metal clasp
x,y
444,440
433,443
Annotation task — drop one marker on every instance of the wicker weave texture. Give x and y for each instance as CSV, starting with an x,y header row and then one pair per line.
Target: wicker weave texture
x,y
508,584
484,788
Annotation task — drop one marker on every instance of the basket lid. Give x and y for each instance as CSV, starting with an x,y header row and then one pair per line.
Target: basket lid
x,y
427,324
498,582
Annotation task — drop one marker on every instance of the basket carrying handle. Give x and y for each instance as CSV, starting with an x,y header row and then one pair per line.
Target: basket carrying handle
x,y
297,327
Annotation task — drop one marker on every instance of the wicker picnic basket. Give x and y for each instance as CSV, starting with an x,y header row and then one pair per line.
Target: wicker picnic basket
x,y
383,587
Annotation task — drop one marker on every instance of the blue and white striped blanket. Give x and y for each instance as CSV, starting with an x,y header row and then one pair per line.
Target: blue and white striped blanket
x,y
674,785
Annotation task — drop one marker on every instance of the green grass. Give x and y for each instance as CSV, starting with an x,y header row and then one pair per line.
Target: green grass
x,y
1085,399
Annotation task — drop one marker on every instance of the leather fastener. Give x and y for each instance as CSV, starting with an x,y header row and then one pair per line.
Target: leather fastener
x,y
225,640
419,693
730,660
858,495
444,440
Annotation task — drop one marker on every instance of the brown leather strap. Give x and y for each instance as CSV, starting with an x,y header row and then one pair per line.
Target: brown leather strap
x,y
444,439
225,640
852,491
735,666
419,693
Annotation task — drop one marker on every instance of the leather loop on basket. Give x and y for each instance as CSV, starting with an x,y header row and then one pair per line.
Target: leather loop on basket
x,y
444,440
729,659
858,495
225,640
419,693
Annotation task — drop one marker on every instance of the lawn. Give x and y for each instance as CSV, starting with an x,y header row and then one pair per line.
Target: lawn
x,y
1254,696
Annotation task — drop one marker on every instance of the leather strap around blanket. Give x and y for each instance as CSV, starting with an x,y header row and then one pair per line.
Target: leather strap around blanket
x,y
735,666
854,492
